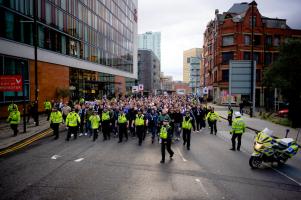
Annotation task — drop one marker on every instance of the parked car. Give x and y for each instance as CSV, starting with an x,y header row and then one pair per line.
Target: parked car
x,y
282,112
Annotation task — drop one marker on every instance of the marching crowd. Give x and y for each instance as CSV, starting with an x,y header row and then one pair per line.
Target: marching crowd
x,y
164,117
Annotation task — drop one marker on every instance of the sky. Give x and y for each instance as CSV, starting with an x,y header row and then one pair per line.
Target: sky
x,y
183,22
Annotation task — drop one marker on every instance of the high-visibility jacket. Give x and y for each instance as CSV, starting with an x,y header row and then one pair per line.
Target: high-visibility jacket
x,y
212,116
139,121
105,116
122,119
56,117
12,107
73,119
14,117
164,132
238,126
47,105
95,119
186,124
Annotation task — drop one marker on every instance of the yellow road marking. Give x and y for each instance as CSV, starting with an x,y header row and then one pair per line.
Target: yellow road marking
x,y
27,142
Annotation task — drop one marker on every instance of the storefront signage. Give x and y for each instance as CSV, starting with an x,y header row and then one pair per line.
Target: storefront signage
x,y
10,83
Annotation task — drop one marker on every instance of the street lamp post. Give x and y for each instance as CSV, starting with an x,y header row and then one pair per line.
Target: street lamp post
x,y
23,94
35,41
252,59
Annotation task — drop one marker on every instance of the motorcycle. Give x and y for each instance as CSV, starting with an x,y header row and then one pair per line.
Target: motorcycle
x,y
269,150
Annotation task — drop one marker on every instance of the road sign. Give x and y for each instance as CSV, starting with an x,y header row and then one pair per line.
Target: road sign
x,y
141,87
12,83
205,90
135,89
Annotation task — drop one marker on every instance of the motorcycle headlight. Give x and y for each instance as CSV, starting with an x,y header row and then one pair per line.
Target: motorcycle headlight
x,y
258,146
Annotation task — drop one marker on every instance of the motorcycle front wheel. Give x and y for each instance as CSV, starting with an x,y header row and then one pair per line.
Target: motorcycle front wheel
x,y
255,162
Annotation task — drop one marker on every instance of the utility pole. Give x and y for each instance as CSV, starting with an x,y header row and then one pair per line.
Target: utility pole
x,y
35,41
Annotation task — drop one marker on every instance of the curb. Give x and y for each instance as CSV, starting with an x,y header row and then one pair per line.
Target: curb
x,y
250,128
25,142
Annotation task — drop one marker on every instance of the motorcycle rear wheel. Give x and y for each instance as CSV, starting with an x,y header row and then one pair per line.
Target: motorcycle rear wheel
x,y
281,162
255,162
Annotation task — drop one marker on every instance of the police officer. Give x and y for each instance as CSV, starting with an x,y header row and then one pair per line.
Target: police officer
x,y
72,121
105,123
166,137
212,118
230,115
123,124
139,124
47,107
55,119
187,124
94,121
14,119
238,128
12,107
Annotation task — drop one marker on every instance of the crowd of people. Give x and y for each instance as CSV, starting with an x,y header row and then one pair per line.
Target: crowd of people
x,y
164,117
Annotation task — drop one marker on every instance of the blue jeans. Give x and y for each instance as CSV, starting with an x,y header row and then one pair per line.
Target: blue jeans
x,y
88,128
153,130
177,130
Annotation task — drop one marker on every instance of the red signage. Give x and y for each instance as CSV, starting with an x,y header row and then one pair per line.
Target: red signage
x,y
10,83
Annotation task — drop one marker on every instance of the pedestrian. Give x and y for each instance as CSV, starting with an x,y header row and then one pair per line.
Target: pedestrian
x,y
153,123
72,122
212,117
82,114
89,113
14,119
199,118
30,113
238,128
123,124
166,137
94,121
55,119
140,121
178,118
66,109
241,107
230,115
187,124
105,124
47,107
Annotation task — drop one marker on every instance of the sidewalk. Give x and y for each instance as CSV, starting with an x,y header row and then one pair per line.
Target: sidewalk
x,y
260,124
6,133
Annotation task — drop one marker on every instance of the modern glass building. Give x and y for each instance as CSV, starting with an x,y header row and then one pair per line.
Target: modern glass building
x,y
80,44
194,82
151,41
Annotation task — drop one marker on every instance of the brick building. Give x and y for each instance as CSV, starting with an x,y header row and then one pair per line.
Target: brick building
x,y
228,37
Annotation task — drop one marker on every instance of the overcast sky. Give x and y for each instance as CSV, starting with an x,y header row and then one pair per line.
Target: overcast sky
x,y
183,22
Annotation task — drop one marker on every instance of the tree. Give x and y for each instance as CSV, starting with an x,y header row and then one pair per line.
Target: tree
x,y
285,73
62,92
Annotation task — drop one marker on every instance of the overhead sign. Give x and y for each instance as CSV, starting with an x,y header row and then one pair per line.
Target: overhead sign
x,y
141,87
10,83
135,89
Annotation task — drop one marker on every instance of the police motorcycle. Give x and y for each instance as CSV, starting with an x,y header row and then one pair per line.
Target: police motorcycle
x,y
269,150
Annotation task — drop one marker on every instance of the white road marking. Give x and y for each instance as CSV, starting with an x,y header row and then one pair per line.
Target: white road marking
x,y
283,174
181,155
54,157
79,160
202,186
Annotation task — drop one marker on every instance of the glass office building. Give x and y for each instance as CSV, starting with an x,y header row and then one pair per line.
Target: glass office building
x,y
74,37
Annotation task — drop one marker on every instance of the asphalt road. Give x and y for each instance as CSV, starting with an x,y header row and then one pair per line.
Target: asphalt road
x,y
82,169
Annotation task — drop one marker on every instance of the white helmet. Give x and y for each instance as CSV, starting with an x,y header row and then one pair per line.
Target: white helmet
x,y
267,131
237,114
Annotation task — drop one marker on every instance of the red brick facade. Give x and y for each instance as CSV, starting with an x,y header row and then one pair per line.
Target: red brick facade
x,y
228,37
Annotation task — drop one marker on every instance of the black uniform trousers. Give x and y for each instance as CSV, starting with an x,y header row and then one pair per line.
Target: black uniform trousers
x,y
55,128
186,137
95,134
140,133
72,130
106,129
122,131
166,143
234,136
213,127
230,120
48,112
14,127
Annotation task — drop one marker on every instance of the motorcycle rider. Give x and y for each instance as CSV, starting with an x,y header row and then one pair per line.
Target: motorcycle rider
x,y
238,128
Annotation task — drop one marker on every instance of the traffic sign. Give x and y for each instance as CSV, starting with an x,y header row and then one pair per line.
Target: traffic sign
x,y
141,87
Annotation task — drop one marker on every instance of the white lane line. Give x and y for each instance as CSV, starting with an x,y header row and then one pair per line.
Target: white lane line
x,y
79,160
202,186
181,155
54,157
283,174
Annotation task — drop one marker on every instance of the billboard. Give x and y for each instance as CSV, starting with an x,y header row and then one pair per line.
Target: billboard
x,y
11,83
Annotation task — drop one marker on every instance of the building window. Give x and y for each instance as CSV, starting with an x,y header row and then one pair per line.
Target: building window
x,y
267,58
226,57
228,40
268,40
254,21
247,55
276,41
258,75
225,75
275,57
247,39
256,57
257,39
215,76
188,60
